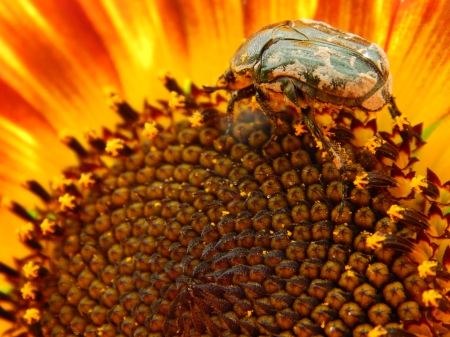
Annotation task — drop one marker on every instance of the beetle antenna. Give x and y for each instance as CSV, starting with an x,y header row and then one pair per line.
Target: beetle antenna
x,y
222,82
209,89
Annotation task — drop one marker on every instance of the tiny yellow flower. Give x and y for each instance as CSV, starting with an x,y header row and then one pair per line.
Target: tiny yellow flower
x,y
48,226
26,231
395,212
375,240
31,270
60,182
427,268
150,130
418,183
28,291
32,316
67,202
431,298
401,122
361,180
196,119
373,144
114,146
86,180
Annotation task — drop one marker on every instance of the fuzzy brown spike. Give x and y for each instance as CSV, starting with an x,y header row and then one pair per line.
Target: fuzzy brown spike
x,y
17,209
117,147
387,150
95,141
38,190
171,83
7,315
128,114
413,218
74,145
377,179
342,133
8,271
32,244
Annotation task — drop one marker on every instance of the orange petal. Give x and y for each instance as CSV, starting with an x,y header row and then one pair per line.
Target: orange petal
x,y
54,66
420,59
30,149
10,245
369,19
54,58
146,38
257,14
133,38
436,153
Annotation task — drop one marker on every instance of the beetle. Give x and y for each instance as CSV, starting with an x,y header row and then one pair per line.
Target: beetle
x,y
310,65
303,63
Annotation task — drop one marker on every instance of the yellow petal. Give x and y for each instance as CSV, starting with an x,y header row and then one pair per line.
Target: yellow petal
x,y
419,56
257,14
30,148
369,19
436,153
52,56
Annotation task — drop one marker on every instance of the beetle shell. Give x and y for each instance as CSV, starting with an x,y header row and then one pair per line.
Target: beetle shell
x,y
323,62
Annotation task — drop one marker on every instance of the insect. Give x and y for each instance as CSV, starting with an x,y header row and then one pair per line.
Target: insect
x,y
309,65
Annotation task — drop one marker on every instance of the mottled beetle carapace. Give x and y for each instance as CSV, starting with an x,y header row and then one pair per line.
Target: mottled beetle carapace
x,y
304,61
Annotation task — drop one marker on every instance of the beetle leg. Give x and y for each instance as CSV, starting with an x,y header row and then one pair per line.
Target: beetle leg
x,y
237,95
395,113
334,149
291,91
269,113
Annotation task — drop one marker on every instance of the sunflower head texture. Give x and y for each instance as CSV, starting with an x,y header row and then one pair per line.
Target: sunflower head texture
x,y
182,222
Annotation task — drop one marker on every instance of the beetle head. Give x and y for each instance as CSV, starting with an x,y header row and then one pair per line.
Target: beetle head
x,y
225,81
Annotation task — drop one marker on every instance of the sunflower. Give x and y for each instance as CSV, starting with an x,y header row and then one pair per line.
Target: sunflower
x,y
58,60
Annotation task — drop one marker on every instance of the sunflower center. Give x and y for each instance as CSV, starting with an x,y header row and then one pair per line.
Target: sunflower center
x,y
196,232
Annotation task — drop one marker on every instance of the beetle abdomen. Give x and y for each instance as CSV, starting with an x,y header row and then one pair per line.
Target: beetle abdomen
x,y
323,62
325,71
